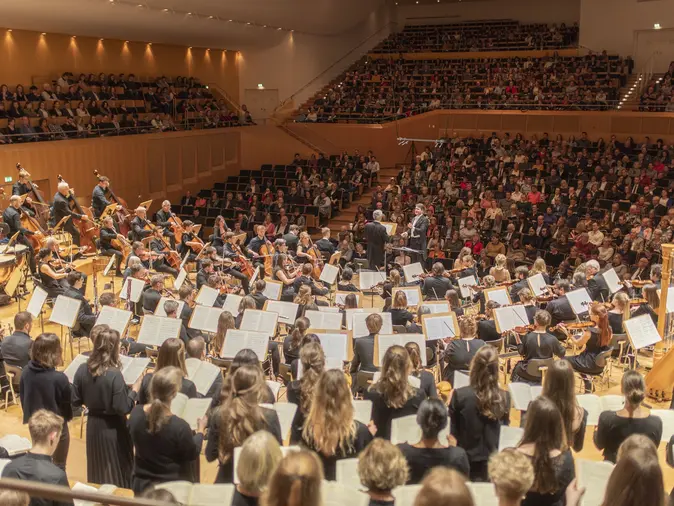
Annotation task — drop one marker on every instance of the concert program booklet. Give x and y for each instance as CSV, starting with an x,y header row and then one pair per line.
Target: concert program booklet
x,y
190,410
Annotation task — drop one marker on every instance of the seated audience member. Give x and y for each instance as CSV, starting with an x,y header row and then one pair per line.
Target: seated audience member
x,y
382,468
544,443
477,411
296,481
163,442
330,429
259,457
430,451
512,474
459,353
36,465
615,426
443,486
15,348
392,395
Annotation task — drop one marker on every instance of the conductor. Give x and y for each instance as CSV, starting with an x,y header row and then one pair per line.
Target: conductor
x,y
377,237
417,233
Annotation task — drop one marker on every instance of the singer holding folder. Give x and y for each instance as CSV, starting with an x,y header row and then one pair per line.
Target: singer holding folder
x,y
417,233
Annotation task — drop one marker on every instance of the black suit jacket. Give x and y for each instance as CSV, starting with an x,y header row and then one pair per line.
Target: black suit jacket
x,y
434,288
98,201
486,330
515,290
15,349
560,310
292,241
598,289
376,236
363,355
138,232
420,228
151,298
61,208
12,217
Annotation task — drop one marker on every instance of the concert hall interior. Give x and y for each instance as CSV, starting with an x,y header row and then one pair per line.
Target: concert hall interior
x,y
316,253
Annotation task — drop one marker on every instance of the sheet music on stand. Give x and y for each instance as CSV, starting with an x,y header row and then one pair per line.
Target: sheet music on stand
x,y
413,271
437,306
287,311
412,293
509,317
350,312
335,344
237,340
341,296
440,326
154,330
612,280
160,311
272,290
537,284
367,280
641,331
206,296
36,301
137,286
323,320
232,303
385,341
260,321
465,284
329,274
498,294
579,300
180,279
182,264
109,265
205,318
359,326
117,319
65,311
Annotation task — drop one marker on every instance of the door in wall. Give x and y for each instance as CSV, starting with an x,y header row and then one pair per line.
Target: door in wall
x,y
653,49
261,103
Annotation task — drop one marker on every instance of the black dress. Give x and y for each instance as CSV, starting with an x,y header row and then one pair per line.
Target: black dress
x,y
565,472
535,346
612,430
585,362
109,445
293,392
240,499
226,470
165,456
401,316
615,320
382,414
361,440
421,460
427,381
188,388
458,355
475,433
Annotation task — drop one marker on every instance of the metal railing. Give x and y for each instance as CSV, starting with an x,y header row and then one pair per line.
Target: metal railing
x,y
437,48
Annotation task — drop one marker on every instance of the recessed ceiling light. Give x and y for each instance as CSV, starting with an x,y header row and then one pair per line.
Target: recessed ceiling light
x,y
149,43
189,13
189,47
279,28
230,20
43,33
101,40
73,36
264,26
208,49
165,10
210,17
248,23
9,29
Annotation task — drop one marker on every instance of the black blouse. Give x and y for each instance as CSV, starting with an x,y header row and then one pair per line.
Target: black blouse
x,y
565,472
188,388
105,395
382,414
421,460
612,430
401,316
45,388
458,355
615,320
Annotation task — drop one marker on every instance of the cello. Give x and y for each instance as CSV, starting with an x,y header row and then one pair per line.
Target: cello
x,y
267,251
122,216
39,200
317,262
88,229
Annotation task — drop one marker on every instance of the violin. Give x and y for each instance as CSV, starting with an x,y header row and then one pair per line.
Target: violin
x,y
573,326
523,329
637,302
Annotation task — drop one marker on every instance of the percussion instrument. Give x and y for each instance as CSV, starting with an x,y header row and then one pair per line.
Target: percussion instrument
x,y
7,265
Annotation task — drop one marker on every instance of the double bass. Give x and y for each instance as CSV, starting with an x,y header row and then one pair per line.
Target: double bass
x,y
40,204
88,229
122,216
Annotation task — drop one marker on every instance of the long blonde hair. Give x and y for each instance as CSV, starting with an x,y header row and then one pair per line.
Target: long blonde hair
x,y
329,426
393,383
312,360
304,296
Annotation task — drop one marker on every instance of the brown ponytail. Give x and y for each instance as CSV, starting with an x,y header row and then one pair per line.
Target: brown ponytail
x,y
312,361
164,386
415,357
301,326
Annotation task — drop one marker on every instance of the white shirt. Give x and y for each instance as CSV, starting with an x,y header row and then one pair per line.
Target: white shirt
x,y
414,222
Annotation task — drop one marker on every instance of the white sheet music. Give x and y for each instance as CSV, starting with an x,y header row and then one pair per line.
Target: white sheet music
x,y
595,405
437,307
388,340
412,295
510,317
461,379
346,473
499,295
362,411
465,284
137,286
159,310
207,296
329,274
287,311
360,328
439,327
260,321
109,265
522,394
670,298
74,366
336,494
232,303
368,279
335,345
133,368
667,417
484,494
237,340
509,437
593,477
115,318
330,363
36,302
286,412
413,271
537,284
178,282
323,320
154,330
612,280
189,494
103,490
341,296
642,331
579,300
202,374
65,311
406,495
15,445
328,309
273,289
190,410
406,430
351,312
205,318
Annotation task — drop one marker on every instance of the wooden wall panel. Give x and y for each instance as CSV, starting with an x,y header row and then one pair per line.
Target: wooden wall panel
x,y
513,123
172,164
188,156
657,125
203,155
155,165
217,145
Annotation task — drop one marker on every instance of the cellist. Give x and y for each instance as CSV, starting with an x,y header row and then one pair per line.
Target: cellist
x,y
98,199
61,209
164,221
12,217
139,224
108,234
158,246
229,252
21,188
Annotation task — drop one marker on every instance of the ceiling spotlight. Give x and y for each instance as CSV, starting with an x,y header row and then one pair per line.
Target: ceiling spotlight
x,y
230,20
111,1
417,2
657,26
189,13
140,5
248,23
165,10
292,30
9,29
189,47
101,40
208,49
73,36
43,33
210,17
264,26
126,42
279,28
149,43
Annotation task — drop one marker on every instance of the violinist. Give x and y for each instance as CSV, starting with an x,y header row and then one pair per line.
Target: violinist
x,y
205,272
596,340
596,284
53,247
52,278
306,279
85,316
452,298
21,188
399,313
140,227
152,295
231,251
220,229
459,353
345,283
187,294
98,199
529,301
486,329
61,208
189,242
108,233
617,313
258,293
436,285
283,272
12,218
656,275
164,220
521,274
559,308
153,259
537,344
216,282
479,297
324,244
652,304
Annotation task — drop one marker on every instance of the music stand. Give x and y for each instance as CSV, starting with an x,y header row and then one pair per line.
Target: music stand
x,y
362,264
108,211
